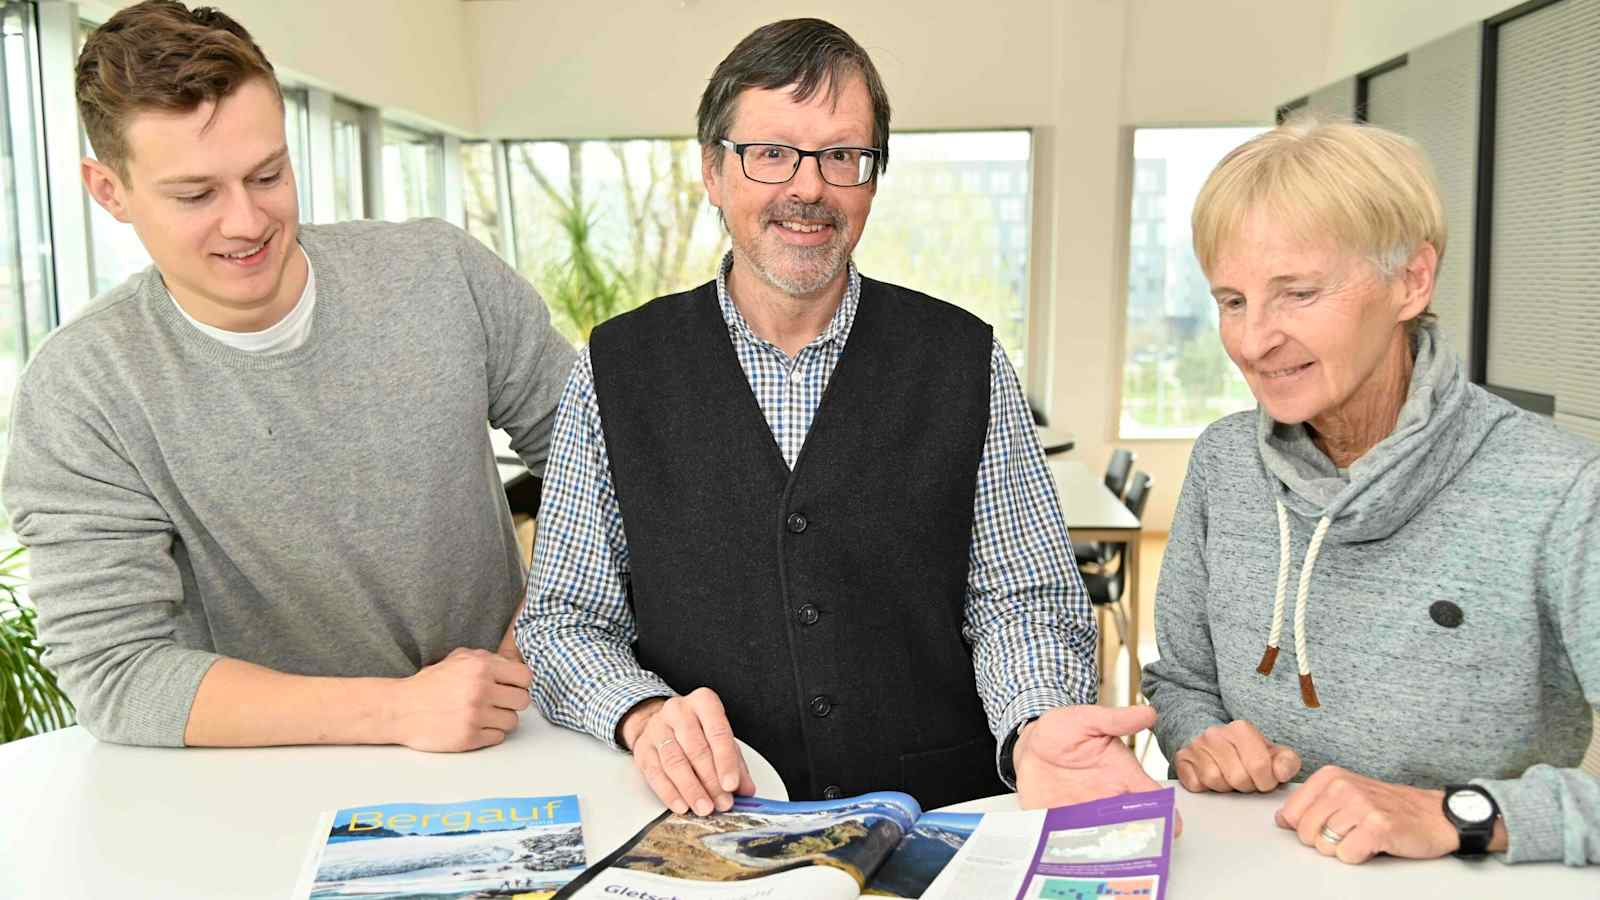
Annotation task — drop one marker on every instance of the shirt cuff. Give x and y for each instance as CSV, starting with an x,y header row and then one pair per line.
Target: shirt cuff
x,y
1029,704
615,700
1532,809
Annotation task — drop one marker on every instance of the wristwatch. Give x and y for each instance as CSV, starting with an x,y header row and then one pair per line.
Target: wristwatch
x,y
1472,811
1008,766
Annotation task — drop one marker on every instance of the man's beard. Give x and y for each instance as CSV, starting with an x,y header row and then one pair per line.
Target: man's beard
x,y
798,271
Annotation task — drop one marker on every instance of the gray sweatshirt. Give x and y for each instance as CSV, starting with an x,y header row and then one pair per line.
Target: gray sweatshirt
x,y
334,509
1451,625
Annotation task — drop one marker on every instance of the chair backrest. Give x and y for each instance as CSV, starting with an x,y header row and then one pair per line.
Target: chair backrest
x,y
1138,494
1117,471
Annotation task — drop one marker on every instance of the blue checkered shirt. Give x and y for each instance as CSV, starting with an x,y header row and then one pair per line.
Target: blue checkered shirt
x,y
1027,615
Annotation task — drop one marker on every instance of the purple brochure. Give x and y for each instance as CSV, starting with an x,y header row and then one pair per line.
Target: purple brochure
x,y
1116,847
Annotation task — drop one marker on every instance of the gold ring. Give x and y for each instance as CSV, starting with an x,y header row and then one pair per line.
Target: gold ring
x,y
664,743
1331,836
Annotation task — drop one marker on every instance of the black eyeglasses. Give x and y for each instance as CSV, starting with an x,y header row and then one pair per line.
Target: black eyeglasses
x,y
777,163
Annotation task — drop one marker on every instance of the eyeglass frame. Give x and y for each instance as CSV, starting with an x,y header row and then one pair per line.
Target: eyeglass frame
x,y
800,158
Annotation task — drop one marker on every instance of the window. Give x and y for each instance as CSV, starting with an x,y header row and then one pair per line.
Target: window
x,y
480,192
1176,377
349,200
951,219
603,226
297,134
413,174
27,294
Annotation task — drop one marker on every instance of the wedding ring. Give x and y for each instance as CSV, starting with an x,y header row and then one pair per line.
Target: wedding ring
x,y
664,743
1331,836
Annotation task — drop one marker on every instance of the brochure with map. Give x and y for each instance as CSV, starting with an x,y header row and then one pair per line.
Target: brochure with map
x,y
522,847
883,845
1116,847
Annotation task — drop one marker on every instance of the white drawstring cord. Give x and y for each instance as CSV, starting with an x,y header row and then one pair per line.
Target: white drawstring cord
x,y
1308,690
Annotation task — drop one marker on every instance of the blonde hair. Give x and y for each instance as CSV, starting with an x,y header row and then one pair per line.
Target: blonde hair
x,y
1370,190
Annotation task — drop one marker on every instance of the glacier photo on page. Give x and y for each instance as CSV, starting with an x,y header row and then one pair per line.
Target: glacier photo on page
x,y
525,847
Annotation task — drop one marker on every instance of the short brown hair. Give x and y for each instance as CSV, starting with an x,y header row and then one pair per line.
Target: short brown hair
x,y
809,54
160,55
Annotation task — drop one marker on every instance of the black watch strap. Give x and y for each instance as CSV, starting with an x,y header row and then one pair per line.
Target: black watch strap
x,y
1008,766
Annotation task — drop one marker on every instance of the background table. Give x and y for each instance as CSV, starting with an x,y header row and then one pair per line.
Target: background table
x,y
79,818
1231,850
1054,441
1093,513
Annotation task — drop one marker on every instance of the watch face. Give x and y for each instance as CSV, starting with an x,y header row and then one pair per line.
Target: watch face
x,y
1470,806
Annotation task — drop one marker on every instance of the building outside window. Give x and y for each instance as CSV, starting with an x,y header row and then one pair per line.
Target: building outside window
x,y
413,174
952,218
1176,377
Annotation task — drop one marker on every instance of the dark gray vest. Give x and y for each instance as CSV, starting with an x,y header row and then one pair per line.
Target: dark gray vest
x,y
825,605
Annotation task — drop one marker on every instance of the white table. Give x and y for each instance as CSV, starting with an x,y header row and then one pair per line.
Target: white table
x,y
1054,440
79,818
1093,513
1231,850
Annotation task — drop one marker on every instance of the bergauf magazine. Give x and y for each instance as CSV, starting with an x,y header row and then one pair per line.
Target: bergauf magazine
x,y
508,847
883,845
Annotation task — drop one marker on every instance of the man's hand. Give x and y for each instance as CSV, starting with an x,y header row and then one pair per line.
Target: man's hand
x,y
1234,757
685,748
469,699
1371,817
1074,754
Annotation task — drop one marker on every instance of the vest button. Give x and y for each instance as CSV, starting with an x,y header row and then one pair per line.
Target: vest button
x,y
821,706
832,792
797,523
807,615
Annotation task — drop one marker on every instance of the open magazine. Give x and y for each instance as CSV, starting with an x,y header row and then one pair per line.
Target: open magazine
x,y
882,844
522,847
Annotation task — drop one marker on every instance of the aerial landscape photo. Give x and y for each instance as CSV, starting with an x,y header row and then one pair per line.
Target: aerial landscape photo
x,y
761,837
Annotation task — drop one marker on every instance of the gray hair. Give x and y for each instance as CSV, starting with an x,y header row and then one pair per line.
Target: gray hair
x,y
811,55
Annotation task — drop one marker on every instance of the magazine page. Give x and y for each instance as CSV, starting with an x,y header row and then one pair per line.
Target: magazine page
x,y
922,854
1117,847
760,848
525,847
994,861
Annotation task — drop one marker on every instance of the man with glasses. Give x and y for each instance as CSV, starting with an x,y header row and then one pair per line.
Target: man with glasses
x,y
808,508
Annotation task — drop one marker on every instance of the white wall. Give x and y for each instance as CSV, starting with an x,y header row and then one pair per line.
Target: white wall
x,y
413,57
612,68
1364,33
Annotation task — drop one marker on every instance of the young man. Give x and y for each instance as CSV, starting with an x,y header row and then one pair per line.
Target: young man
x,y
256,479
809,508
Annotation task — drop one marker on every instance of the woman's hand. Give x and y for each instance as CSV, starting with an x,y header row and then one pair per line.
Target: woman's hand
x,y
1355,818
1234,757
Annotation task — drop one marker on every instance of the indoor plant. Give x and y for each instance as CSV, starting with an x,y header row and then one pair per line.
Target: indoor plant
x,y
31,702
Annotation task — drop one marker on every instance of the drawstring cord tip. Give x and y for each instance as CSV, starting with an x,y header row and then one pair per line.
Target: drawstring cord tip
x,y
1268,660
1308,691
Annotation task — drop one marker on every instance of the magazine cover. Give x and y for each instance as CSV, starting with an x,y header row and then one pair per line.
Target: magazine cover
x,y
524,847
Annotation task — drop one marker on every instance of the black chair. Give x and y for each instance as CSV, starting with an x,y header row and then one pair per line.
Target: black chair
x,y
1117,471
1109,582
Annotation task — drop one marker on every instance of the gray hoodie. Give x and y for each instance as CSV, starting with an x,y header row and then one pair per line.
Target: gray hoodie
x,y
1437,606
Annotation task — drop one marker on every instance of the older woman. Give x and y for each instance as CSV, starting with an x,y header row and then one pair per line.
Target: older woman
x,y
1432,551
